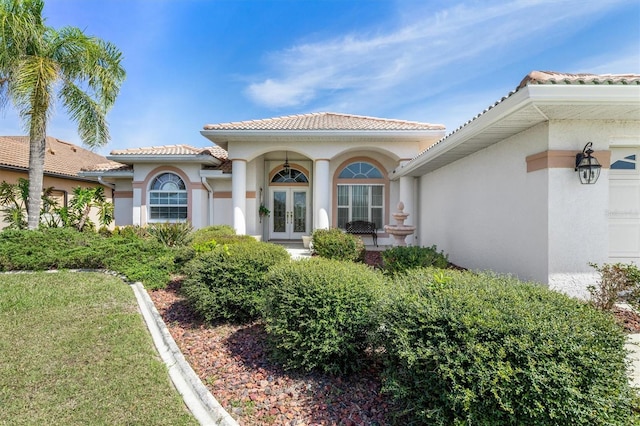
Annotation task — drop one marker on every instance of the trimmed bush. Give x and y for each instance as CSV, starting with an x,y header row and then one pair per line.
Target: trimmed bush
x,y
489,350
227,282
336,244
209,233
318,314
401,259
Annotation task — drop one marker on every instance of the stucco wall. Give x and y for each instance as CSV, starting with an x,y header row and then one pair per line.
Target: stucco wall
x,y
578,214
487,212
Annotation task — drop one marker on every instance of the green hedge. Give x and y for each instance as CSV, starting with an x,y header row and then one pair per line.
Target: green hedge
x,y
336,244
489,350
318,314
227,282
138,258
401,259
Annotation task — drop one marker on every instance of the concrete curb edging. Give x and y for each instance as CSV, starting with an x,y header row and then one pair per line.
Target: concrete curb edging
x,y
197,397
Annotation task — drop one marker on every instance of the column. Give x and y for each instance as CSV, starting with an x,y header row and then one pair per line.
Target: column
x,y
321,191
406,196
239,195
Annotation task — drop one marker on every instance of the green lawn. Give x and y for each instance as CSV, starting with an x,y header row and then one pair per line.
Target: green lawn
x,y
75,350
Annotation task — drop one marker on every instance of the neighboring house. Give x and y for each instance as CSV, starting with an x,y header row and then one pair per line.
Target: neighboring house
x,y
498,193
62,165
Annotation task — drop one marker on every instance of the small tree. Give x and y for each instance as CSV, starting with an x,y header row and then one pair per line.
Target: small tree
x,y
14,198
76,214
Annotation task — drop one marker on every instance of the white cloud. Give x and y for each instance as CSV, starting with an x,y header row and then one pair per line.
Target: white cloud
x,y
426,49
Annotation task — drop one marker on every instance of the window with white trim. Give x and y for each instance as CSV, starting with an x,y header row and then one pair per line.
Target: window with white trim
x,y
168,199
361,201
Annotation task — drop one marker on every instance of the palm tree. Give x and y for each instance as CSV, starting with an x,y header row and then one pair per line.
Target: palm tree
x,y
40,66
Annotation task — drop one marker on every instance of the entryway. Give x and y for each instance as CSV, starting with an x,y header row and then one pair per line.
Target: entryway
x,y
289,218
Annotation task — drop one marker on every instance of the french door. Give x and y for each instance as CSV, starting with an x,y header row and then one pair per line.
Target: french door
x,y
289,218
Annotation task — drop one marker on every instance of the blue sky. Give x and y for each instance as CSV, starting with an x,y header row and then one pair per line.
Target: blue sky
x,y
194,62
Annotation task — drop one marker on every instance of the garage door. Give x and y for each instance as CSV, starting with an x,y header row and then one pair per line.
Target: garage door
x,y
624,205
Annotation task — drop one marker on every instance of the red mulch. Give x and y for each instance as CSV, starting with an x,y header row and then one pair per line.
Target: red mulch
x,y
232,362
629,320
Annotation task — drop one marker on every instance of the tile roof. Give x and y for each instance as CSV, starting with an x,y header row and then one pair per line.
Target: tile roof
x,y
214,151
550,77
541,78
555,78
325,121
61,158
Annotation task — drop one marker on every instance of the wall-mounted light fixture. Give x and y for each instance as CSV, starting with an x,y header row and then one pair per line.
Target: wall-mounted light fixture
x,y
587,166
286,167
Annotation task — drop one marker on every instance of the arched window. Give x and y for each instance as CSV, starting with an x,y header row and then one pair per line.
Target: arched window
x,y
361,189
167,199
293,176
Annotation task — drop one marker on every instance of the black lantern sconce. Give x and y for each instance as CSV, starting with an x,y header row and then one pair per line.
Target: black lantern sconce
x,y
286,167
587,166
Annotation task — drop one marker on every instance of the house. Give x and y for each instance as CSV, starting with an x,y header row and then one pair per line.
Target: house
x,y
62,165
501,192
498,193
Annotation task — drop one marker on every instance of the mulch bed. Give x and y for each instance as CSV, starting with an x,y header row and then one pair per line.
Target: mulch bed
x,y
232,362
629,320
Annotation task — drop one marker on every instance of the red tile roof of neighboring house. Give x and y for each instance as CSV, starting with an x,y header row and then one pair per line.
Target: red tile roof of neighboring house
x,y
214,151
325,121
61,158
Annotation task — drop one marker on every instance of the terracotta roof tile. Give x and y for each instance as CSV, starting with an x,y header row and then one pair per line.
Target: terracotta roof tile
x,y
214,151
61,158
325,121
551,77
109,166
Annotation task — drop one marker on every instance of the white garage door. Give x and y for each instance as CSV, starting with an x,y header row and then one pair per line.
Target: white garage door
x,y
624,205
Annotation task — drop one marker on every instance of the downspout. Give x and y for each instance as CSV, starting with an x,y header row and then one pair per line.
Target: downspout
x,y
205,183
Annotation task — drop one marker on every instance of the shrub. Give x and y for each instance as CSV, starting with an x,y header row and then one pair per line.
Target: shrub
x,y
489,350
614,280
65,248
209,233
317,314
171,234
227,282
400,259
49,248
336,244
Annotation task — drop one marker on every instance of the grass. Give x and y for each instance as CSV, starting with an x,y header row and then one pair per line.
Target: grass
x,y
75,350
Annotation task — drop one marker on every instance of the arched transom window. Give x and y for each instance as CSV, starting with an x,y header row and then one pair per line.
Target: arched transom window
x,y
361,188
168,199
292,176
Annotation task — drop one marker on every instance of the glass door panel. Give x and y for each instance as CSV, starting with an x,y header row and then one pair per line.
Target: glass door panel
x,y
290,213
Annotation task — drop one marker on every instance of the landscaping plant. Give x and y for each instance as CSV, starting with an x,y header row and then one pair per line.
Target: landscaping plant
x,y
401,259
616,280
227,283
482,349
336,244
318,314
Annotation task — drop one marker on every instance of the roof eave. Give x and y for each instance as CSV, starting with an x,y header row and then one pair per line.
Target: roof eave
x,y
165,158
537,95
108,173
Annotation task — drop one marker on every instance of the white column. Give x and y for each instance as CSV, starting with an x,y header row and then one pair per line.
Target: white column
x,y
406,196
321,191
136,220
239,195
